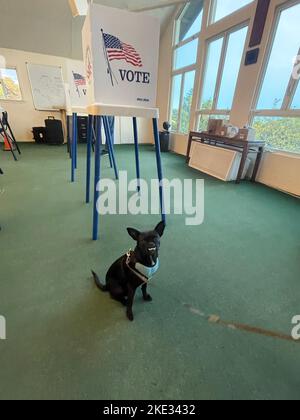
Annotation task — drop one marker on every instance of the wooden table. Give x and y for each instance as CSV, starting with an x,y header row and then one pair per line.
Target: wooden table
x,y
243,146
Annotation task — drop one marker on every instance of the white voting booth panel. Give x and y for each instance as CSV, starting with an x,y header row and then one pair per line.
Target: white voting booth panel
x,y
77,84
76,101
120,52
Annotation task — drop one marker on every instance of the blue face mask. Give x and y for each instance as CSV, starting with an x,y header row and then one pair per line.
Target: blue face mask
x,y
148,272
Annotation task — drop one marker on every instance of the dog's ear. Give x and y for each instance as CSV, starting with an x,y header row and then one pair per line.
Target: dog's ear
x,y
160,228
135,234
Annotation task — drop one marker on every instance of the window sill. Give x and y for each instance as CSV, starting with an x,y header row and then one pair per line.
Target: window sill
x,y
282,152
177,133
12,100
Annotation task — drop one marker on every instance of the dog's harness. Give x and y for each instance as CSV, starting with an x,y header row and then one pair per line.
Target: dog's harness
x,y
143,272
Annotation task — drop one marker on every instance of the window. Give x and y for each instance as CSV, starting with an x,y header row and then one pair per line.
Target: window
x,y
176,94
223,8
235,49
279,133
186,55
182,96
185,51
276,118
9,85
274,91
190,21
203,120
211,73
187,97
223,62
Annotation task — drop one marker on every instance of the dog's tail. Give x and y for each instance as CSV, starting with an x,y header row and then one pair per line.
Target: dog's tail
x,y
100,286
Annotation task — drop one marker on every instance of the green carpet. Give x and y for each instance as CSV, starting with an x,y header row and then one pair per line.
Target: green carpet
x,y
66,340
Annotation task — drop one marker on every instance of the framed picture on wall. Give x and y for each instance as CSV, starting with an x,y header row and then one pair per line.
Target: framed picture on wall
x,y
10,89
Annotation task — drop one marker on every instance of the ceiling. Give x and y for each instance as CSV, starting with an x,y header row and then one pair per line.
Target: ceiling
x,y
63,35
164,14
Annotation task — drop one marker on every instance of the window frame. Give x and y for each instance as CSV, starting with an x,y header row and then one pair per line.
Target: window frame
x,y
180,100
213,10
177,47
225,35
183,70
285,110
177,44
183,75
19,83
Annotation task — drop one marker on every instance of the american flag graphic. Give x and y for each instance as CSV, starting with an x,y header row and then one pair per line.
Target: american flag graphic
x,y
79,80
118,50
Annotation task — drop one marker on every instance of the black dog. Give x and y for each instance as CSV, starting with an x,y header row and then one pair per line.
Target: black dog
x,y
134,269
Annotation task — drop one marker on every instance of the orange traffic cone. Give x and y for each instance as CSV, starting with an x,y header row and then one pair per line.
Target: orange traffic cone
x,y
6,147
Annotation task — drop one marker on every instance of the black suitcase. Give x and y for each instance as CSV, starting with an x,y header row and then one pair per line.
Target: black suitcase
x,y
54,132
82,129
39,134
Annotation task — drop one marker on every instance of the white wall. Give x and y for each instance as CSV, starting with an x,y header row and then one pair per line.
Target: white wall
x,y
23,116
41,26
275,166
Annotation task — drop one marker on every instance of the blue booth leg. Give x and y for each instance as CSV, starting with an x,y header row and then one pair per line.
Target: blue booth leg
x,y
110,146
105,124
68,136
88,159
73,147
110,152
97,178
159,168
137,157
76,141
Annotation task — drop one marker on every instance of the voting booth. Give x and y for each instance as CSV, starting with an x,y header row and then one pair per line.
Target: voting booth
x,y
76,106
121,52
77,84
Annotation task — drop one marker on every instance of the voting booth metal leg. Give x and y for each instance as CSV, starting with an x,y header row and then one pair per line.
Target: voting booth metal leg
x,y
5,134
14,139
94,135
137,156
76,141
73,147
68,136
88,158
97,177
159,168
110,151
110,145
9,133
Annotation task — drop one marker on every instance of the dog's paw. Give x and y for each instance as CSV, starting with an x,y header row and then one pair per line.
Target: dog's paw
x,y
148,298
130,316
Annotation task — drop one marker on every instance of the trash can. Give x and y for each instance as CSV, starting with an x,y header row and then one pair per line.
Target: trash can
x,y
164,138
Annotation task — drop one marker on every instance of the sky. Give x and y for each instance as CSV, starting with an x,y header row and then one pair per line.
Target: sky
x,y
285,49
11,73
